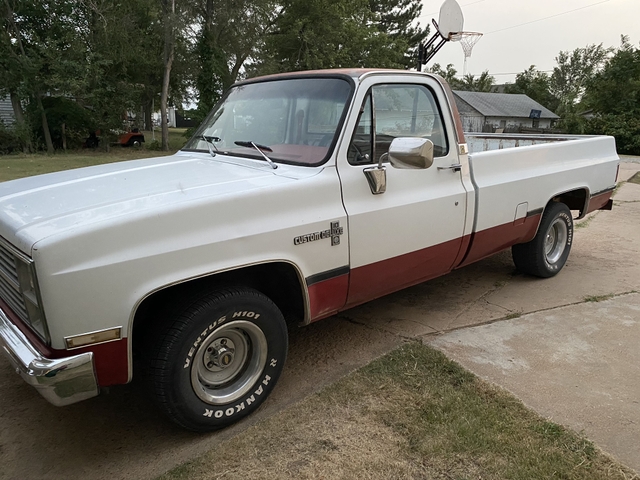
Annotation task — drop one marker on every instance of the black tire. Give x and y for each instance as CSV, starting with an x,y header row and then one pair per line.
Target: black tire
x,y
136,142
546,254
217,358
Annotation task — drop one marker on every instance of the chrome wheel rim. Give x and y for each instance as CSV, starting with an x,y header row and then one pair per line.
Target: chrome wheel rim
x,y
555,241
228,362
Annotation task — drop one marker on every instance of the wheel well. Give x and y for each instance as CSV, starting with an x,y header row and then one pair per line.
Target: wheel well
x,y
278,280
574,199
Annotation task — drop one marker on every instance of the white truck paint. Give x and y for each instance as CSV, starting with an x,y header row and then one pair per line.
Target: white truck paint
x,y
93,253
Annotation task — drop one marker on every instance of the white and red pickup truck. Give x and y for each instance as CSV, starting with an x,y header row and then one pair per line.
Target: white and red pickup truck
x,y
300,196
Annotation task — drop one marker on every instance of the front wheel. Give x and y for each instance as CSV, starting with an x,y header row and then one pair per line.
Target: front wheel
x,y
216,360
546,254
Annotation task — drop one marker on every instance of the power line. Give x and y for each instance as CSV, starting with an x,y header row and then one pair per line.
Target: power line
x,y
499,74
546,18
435,13
517,73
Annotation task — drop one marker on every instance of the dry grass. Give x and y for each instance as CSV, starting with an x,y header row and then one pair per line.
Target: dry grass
x,y
411,414
635,179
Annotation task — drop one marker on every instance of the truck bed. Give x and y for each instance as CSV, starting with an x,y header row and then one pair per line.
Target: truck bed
x,y
483,142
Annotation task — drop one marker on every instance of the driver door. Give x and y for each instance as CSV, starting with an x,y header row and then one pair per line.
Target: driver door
x,y
413,231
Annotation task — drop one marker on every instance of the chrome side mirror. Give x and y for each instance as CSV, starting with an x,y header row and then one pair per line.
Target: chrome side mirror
x,y
411,152
377,178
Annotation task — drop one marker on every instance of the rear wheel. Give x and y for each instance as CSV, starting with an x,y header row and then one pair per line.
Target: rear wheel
x,y
546,254
217,359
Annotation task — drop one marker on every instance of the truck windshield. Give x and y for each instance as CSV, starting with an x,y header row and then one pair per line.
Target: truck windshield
x,y
298,119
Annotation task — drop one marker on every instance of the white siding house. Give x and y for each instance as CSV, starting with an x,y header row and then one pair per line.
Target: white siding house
x,y
6,111
491,112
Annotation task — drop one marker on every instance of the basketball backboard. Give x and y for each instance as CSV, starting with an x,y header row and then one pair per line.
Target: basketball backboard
x,y
451,19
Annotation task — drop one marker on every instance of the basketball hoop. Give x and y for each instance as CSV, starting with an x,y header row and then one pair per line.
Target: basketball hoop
x,y
467,40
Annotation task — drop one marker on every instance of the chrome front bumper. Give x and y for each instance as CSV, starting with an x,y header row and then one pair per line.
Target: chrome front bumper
x,y
61,381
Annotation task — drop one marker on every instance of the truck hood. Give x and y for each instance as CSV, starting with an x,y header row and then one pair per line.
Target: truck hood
x,y
35,208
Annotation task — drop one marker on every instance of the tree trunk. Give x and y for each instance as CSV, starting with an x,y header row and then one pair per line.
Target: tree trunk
x,y
45,125
148,115
64,137
21,123
169,47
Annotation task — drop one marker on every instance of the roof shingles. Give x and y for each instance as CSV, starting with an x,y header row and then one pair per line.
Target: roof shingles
x,y
503,104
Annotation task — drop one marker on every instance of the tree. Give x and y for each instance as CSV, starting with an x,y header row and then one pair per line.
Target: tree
x,y
11,75
616,88
536,85
483,83
169,27
101,54
331,34
397,19
569,78
123,61
449,74
614,95
31,36
228,34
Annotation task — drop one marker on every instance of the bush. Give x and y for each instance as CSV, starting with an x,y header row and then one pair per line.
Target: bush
x,y
78,121
154,145
9,140
624,127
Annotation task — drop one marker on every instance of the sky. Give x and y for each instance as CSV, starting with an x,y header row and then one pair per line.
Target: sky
x,y
519,33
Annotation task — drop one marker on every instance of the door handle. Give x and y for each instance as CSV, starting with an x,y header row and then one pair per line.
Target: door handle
x,y
456,167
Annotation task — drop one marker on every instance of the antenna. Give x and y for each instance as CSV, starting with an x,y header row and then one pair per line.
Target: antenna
x,y
467,40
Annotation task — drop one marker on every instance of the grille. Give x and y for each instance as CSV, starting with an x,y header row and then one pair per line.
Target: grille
x,y
9,285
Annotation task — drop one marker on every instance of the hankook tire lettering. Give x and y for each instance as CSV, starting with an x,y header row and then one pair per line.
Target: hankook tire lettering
x,y
241,406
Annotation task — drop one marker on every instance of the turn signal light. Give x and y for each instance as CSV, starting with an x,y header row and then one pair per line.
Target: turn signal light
x,y
93,338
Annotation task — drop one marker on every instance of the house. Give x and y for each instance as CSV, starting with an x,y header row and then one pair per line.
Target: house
x,y
6,111
502,112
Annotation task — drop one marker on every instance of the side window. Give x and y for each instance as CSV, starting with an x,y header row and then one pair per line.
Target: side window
x,y
398,111
360,148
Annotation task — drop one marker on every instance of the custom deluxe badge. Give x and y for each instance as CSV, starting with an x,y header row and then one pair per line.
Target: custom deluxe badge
x,y
333,233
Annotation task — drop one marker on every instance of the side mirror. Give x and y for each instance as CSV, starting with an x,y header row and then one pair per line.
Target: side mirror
x,y
411,152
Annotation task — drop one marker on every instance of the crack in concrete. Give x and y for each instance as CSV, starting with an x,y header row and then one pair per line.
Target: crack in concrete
x,y
496,287
448,328
522,314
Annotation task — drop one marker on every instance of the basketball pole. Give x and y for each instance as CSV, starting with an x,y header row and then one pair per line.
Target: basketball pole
x,y
424,54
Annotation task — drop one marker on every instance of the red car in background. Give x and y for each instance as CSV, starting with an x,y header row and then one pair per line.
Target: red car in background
x,y
131,139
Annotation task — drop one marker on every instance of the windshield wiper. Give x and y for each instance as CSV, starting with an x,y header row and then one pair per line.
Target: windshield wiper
x,y
211,142
259,148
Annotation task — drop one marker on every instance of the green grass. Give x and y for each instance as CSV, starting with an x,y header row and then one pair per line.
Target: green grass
x,y
411,414
598,298
20,165
584,223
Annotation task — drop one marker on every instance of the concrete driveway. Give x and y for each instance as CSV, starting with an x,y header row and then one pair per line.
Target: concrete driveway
x,y
121,435
577,364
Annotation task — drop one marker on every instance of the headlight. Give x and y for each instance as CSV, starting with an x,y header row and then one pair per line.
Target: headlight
x,y
31,296
19,289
